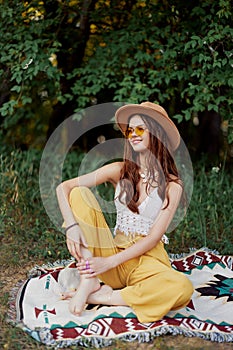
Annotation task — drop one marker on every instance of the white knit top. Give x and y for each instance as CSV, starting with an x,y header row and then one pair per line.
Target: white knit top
x,y
133,223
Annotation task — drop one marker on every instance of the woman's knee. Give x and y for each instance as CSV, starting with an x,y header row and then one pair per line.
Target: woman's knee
x,y
184,289
77,192
85,207
82,196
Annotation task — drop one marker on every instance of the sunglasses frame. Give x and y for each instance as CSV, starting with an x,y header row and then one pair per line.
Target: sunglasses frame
x,y
139,131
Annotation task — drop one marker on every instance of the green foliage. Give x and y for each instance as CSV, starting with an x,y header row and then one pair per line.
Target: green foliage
x,y
25,229
209,218
27,74
177,53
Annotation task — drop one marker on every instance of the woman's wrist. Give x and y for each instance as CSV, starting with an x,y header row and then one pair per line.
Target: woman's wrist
x,y
115,260
70,226
111,262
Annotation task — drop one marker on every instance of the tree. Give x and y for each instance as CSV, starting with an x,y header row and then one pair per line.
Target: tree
x,y
60,56
177,53
28,76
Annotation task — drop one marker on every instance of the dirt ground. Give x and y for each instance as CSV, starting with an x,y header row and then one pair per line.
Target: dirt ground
x,y
10,275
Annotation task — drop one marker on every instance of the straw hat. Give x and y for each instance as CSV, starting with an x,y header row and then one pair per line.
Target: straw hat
x,y
154,111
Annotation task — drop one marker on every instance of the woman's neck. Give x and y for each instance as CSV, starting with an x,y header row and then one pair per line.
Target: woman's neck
x,y
142,161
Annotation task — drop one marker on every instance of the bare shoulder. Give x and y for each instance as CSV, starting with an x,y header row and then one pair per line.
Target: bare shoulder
x,y
175,186
113,171
117,165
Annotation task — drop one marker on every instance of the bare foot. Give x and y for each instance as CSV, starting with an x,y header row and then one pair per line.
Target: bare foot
x,y
68,295
86,287
101,296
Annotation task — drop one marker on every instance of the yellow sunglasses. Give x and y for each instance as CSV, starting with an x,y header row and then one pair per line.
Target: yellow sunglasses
x,y
139,131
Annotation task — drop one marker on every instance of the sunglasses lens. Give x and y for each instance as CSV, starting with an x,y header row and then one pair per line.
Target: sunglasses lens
x,y
128,133
139,131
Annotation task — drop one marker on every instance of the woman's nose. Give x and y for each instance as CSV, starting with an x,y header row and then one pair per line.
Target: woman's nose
x,y
134,133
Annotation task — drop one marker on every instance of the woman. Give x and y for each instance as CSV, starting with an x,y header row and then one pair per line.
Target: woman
x,y
133,264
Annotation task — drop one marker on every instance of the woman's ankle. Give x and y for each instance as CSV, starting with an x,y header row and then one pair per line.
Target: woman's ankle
x,y
109,298
101,296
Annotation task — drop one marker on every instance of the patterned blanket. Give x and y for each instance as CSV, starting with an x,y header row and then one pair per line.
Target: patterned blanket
x,y
38,309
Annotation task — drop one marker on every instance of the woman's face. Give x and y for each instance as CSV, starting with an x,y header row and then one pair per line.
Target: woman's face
x,y
138,138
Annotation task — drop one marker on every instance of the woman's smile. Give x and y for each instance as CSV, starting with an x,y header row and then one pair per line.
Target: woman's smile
x,y
135,141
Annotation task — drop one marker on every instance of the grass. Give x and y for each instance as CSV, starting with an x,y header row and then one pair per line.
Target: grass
x,y
28,237
209,219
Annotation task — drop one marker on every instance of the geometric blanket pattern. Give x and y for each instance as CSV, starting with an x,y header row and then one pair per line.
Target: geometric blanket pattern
x,y
36,306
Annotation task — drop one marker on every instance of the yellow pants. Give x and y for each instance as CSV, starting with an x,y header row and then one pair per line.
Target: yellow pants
x,y
148,284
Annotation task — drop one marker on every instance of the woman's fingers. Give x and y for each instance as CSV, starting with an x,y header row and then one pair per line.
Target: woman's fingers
x,y
85,267
74,249
82,265
74,242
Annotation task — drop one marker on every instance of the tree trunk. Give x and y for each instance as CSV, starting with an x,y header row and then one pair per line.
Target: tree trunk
x,y
73,39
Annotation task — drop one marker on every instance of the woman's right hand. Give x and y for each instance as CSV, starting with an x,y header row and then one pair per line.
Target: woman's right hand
x,y
74,240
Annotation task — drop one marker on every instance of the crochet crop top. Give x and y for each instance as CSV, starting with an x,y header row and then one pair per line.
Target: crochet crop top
x,y
133,223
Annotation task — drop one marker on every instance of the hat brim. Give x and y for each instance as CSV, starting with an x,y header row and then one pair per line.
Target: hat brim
x,y
125,112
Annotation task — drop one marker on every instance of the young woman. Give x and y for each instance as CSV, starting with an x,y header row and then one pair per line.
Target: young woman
x,y
132,263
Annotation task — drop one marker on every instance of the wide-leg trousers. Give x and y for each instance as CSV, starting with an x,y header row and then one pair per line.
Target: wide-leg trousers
x,y
148,283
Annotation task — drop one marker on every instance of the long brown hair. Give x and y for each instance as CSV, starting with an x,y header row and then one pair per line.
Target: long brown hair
x,y
159,160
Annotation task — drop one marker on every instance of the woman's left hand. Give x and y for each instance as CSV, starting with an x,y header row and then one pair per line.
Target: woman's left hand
x,y
94,266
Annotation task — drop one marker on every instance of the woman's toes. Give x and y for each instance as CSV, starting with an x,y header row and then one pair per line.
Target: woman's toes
x,y
78,301
67,295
